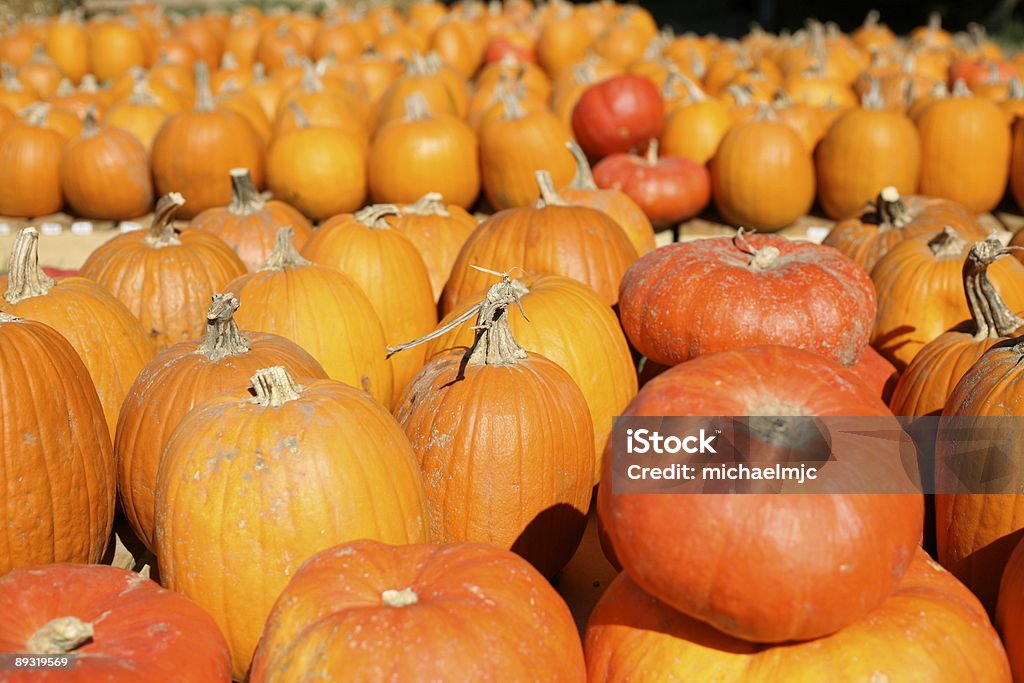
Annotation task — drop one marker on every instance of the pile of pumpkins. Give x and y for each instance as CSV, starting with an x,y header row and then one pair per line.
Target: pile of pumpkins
x,y
360,428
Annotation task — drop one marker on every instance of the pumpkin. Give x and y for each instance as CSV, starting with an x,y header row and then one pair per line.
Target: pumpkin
x,y
871,33
104,173
932,627
444,92
424,152
763,289
930,270
596,356
563,40
114,48
321,106
164,276
583,191
522,483
694,128
891,218
1008,609
877,374
320,171
249,224
141,114
174,382
67,44
63,121
56,459
14,94
965,150
762,175
438,230
865,149
240,102
1016,164
670,190
110,341
514,146
34,150
111,621
195,150
322,310
366,590
618,115
976,532
863,543
386,265
298,490
41,74
553,237
929,379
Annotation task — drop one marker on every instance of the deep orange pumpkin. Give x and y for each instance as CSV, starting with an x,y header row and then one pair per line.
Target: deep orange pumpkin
x,y
34,150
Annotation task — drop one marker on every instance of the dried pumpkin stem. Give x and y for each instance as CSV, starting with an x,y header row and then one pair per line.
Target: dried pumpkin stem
x,y
871,20
1016,89
960,89
204,95
761,259
36,114
652,152
60,636
375,216
513,107
222,338
245,198
430,204
892,212
273,387
548,195
872,99
992,318
26,279
284,255
402,598
416,108
301,120
947,243
584,178
162,232
90,128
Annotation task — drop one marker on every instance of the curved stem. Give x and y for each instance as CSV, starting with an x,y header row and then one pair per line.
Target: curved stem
x,y
430,204
301,120
26,279
162,232
892,212
375,216
992,317
273,387
584,178
60,636
204,95
284,255
548,195
222,338
416,108
245,198
947,244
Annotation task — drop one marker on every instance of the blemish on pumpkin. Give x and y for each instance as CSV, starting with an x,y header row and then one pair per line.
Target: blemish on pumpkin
x,y
28,439
879,677
365,381
846,568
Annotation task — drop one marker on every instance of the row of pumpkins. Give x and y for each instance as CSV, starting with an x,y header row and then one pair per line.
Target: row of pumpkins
x,y
470,101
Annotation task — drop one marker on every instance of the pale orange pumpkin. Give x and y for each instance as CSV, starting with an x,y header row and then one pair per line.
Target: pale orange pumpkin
x,y
438,230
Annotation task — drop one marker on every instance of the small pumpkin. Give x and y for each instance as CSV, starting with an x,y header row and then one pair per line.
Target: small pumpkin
x,y
34,150
141,114
298,490
443,92
529,494
366,589
618,115
694,128
164,276
438,230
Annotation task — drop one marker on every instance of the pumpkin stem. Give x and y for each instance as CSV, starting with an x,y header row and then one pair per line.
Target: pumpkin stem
x,y
284,255
872,99
947,244
960,89
584,178
652,152
891,209
513,107
162,232
311,82
89,126
36,114
765,113
402,598
548,195
741,96
1016,89
88,84
222,338
375,216
761,259
992,317
301,120
60,636
204,95
26,279
430,204
228,61
871,20
65,88
416,108
494,343
273,387
245,198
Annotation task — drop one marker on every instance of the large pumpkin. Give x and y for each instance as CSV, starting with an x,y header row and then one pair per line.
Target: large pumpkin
x,y
762,175
551,237
927,270
56,464
891,218
249,224
1010,610
866,148
322,310
930,629
522,482
195,150
965,145
116,624
366,593
294,489
760,289
733,567
177,380
438,230
164,276
596,355
386,265
110,341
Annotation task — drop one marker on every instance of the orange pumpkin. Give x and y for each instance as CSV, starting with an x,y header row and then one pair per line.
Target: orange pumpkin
x,y
443,93
114,48
694,128
67,44
141,114
438,231
1010,610
34,150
